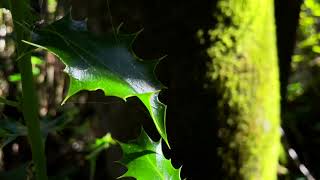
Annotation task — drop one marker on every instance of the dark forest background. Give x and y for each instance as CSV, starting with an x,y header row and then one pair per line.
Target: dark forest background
x,y
169,28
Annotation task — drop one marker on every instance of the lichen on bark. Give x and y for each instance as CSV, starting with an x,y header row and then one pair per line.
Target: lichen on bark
x,y
244,73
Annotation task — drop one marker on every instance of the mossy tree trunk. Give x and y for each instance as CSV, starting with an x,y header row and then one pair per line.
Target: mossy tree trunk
x,y
244,73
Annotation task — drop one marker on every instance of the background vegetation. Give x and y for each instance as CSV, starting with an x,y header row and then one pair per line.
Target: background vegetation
x,y
79,146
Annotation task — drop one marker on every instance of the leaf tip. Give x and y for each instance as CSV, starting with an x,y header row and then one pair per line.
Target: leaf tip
x,y
167,142
65,100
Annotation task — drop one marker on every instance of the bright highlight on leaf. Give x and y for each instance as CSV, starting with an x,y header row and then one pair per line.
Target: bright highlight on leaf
x,y
104,63
144,160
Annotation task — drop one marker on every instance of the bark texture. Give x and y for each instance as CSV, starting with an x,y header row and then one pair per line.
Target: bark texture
x,y
244,73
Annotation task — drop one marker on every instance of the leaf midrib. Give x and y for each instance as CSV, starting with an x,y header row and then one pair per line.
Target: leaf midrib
x,y
153,166
71,43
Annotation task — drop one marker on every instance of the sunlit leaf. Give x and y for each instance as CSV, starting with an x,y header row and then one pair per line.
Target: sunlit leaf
x,y
316,49
35,70
294,90
17,76
52,5
144,159
103,62
297,58
36,60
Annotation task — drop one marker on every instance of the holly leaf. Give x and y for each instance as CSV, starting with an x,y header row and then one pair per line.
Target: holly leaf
x,y
103,62
144,160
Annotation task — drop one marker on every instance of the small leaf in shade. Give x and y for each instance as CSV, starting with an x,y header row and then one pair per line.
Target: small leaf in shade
x,y
100,144
144,159
103,62
11,129
54,125
96,148
18,173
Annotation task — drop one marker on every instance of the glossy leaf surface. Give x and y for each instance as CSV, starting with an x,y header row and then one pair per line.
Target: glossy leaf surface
x,y
103,62
144,160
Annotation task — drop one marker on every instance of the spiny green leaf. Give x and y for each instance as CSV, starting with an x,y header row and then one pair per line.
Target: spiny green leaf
x,y
145,160
103,62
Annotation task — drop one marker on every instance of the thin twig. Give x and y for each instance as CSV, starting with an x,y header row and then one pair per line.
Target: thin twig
x,y
111,21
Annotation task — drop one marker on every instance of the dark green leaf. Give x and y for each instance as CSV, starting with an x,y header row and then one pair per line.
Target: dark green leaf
x,y
145,160
35,70
103,62
100,144
9,102
19,173
11,129
96,148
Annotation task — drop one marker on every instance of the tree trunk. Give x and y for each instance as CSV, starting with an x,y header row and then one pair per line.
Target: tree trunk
x,y
244,74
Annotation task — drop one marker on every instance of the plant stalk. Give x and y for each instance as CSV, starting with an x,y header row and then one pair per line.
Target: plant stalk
x,y
30,114
29,104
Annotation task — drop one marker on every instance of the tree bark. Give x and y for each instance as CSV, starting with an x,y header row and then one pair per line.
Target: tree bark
x,y
244,74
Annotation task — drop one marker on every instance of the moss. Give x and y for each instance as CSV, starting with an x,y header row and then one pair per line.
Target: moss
x,y
244,72
1,17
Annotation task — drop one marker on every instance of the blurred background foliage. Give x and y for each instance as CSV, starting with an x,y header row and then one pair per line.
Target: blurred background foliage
x,y
301,116
80,149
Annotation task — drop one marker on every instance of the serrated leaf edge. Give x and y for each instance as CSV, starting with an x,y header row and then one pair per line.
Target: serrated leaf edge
x,y
158,143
